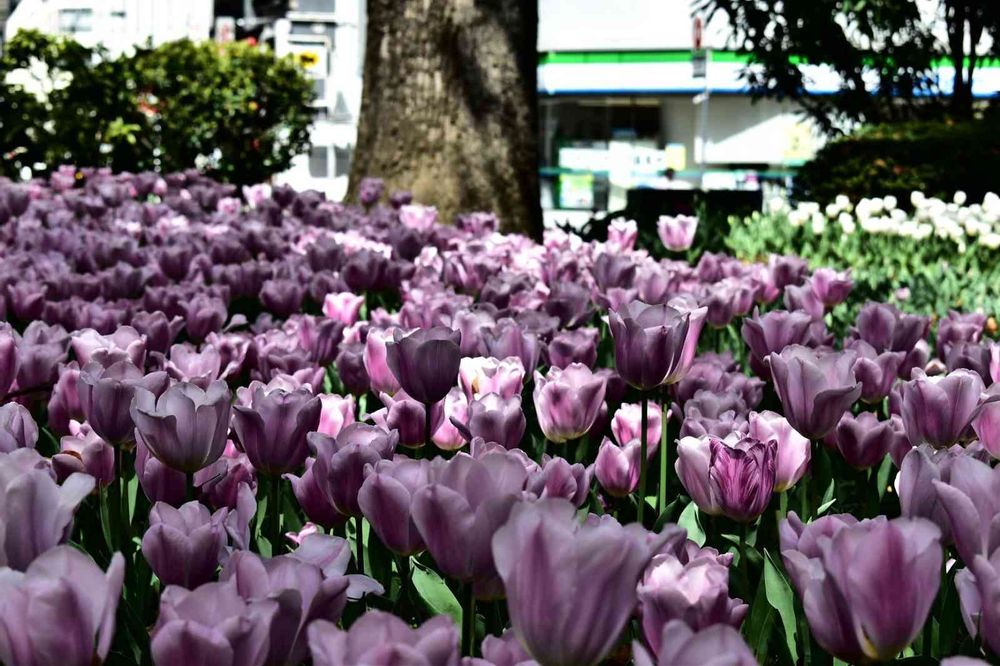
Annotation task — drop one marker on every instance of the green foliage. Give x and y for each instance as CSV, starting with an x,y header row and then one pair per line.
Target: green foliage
x,y
234,111
883,51
937,274
937,158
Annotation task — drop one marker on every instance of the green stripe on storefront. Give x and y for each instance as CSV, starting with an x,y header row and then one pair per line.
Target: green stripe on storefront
x,y
672,56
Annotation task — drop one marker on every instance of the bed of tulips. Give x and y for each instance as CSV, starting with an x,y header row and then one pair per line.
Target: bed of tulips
x,y
247,428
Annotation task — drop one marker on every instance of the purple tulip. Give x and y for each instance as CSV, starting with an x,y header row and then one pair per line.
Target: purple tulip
x,y
382,379
386,499
677,233
503,650
626,425
160,331
40,351
867,588
408,417
495,419
741,475
770,333
459,511
219,483
570,303
571,587
382,638
183,546
979,599
508,338
64,403
9,359
125,344
425,362
864,441
691,585
717,645
876,372
340,464
311,496
272,430
793,450
815,388
481,375
351,368
959,327
17,429
885,328
344,306
308,585
212,625
567,401
938,410
970,499
617,467
654,344
718,414
87,453
558,478
576,346
185,427
32,491
830,286
60,611
106,394
158,482
203,315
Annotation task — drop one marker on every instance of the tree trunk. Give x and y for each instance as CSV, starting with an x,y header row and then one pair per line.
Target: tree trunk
x,y
449,107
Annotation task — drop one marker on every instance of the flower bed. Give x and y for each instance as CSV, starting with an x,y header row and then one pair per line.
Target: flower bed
x,y
255,427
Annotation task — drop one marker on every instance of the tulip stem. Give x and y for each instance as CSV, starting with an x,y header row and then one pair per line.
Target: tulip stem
x,y
427,426
744,565
274,509
643,463
661,495
403,567
125,528
359,537
189,491
469,622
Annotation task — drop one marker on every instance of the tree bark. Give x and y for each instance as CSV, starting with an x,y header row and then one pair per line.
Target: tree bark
x,y
449,108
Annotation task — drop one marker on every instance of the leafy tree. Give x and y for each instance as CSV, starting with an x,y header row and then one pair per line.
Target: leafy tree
x,y
234,111
884,52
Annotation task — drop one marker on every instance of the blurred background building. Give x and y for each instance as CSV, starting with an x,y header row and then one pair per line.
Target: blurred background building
x,y
632,93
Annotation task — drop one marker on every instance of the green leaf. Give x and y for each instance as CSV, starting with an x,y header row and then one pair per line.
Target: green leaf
x,y
689,521
883,476
757,628
825,506
779,595
435,592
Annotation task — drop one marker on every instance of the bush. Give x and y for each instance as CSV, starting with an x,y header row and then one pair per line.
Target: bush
x,y
936,158
234,111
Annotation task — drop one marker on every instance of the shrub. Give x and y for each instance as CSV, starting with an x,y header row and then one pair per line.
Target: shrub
x,y
937,158
234,110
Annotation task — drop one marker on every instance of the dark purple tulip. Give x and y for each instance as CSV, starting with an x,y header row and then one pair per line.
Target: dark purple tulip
x,y
558,478
867,588
160,331
577,346
875,371
27,490
87,453
979,597
212,626
570,303
26,299
959,327
972,356
654,344
61,612
726,299
802,298
272,430
496,419
885,328
219,483
370,190
282,297
508,338
40,351
970,499
315,503
158,482
742,476
425,362
458,513
382,638
830,287
351,368
815,387
938,410
183,546
303,591
64,402
17,429
691,585
341,461
407,417
576,616
864,441
386,499
186,427
203,315
772,332
717,645
106,394
9,360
